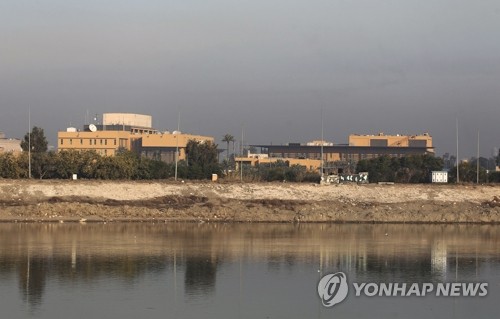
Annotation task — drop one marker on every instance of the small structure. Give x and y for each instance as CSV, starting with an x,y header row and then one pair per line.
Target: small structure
x,y
439,177
9,145
361,177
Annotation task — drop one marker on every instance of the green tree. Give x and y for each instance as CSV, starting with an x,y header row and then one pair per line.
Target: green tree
x,y
468,173
69,162
153,169
37,140
44,165
227,139
202,160
9,166
122,166
408,169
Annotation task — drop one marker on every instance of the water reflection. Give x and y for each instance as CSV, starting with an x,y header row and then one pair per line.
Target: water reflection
x,y
32,279
207,256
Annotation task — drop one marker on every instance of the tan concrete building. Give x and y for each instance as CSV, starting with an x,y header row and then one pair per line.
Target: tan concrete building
x,y
133,134
128,119
257,159
11,145
342,158
421,140
162,146
103,142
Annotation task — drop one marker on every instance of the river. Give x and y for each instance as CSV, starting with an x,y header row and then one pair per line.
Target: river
x,y
146,270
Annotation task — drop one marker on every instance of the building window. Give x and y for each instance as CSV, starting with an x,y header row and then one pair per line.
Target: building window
x,y
81,141
100,141
70,141
62,141
95,142
105,142
115,141
90,142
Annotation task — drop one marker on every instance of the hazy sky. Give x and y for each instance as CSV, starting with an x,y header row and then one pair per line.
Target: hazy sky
x,y
268,65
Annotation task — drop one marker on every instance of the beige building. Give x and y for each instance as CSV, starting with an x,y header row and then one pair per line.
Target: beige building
x,y
11,145
257,159
382,140
162,146
134,133
128,119
103,142
342,158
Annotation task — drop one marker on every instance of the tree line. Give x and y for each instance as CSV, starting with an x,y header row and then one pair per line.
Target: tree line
x,y
408,169
202,161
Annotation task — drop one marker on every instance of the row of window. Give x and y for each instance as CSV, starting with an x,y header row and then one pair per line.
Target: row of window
x,y
332,156
326,156
357,157
89,141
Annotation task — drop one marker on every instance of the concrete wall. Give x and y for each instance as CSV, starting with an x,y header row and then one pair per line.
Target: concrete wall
x,y
131,119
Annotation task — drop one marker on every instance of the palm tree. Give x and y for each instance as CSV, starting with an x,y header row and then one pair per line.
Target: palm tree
x,y
227,138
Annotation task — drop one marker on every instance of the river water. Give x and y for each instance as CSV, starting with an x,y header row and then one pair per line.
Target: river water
x,y
143,270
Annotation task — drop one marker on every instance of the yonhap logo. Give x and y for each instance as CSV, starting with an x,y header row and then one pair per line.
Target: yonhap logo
x,y
333,289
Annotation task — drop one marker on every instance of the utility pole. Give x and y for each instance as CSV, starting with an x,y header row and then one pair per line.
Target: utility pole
x,y
477,166
458,161
29,142
177,142
241,152
322,139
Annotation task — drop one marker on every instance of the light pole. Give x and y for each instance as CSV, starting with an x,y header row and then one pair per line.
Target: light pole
x,y
241,152
322,138
29,142
477,164
177,142
458,161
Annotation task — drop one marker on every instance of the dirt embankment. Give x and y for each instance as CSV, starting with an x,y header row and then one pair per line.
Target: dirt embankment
x,y
22,200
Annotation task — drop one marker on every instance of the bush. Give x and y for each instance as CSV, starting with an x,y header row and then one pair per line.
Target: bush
x,y
409,169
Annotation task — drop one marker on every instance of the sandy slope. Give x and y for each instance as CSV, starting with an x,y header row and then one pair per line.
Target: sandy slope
x,y
102,200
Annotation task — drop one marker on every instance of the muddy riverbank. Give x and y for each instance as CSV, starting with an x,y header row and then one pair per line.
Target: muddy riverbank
x,y
86,201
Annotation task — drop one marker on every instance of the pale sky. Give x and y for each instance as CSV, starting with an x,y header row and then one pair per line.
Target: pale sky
x,y
268,65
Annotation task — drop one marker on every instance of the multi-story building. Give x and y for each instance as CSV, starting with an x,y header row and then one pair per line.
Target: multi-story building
x,y
11,145
131,132
162,146
258,159
341,158
422,140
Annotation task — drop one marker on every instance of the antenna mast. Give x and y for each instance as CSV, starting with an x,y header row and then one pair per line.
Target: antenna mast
x,y
322,142
177,142
29,142
458,161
